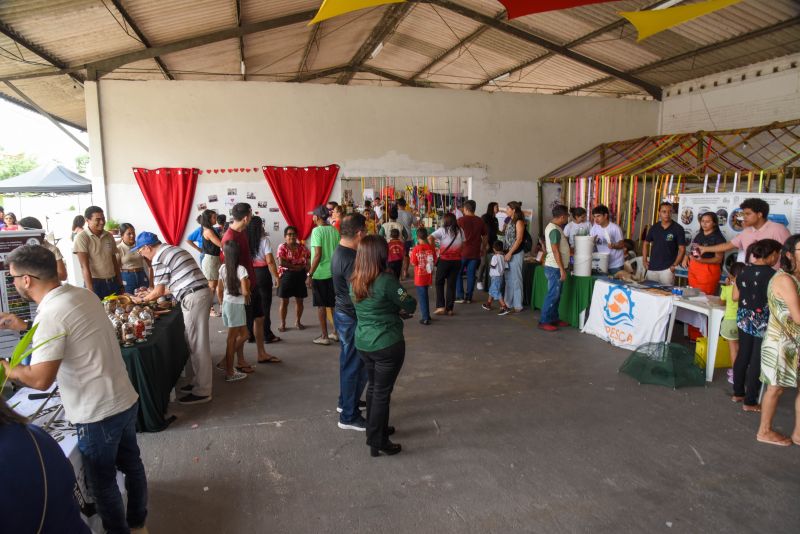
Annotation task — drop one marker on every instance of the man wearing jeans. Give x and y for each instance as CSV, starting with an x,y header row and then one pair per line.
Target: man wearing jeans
x,y
77,344
554,268
352,375
473,248
97,255
176,270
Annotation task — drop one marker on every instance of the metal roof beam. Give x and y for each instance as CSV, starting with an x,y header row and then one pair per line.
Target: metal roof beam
x,y
391,19
25,105
390,76
312,40
130,22
39,51
310,76
465,41
692,53
556,48
45,114
107,65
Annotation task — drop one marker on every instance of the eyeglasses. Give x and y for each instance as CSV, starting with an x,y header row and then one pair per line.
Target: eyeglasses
x,y
21,275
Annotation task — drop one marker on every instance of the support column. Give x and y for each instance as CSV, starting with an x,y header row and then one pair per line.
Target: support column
x,y
94,127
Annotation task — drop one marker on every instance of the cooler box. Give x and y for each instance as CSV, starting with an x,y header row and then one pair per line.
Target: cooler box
x,y
723,353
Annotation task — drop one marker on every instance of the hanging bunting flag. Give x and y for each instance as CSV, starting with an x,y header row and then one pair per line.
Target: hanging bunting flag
x,y
653,21
334,8
520,8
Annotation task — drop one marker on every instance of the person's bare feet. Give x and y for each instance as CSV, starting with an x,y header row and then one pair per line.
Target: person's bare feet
x,y
300,326
282,328
773,438
736,398
751,407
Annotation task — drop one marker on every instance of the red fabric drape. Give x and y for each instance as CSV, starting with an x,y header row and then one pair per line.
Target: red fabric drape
x,y
169,193
299,190
520,8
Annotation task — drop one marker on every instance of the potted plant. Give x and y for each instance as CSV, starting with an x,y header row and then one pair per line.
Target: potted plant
x,y
112,226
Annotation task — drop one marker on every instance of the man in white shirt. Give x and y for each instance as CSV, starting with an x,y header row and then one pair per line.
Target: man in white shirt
x,y
608,238
77,344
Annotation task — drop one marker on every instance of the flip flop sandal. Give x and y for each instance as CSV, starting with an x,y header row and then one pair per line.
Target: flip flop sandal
x,y
271,359
282,329
274,339
780,443
246,369
300,326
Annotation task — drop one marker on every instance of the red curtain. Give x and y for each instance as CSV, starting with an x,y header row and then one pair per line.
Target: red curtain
x,y
299,190
520,8
169,193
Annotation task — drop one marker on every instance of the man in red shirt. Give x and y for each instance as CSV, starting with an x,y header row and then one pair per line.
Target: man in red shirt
x,y
473,248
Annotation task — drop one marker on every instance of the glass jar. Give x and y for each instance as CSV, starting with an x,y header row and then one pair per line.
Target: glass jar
x,y
128,334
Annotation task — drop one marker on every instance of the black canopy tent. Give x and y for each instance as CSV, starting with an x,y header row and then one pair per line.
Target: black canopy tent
x,y
49,178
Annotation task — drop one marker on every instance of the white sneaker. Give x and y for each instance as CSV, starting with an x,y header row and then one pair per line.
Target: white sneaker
x,y
235,377
479,286
322,341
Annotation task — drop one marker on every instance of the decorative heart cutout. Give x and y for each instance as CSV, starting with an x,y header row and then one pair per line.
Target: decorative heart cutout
x,y
208,171
216,171
222,170
199,172
230,170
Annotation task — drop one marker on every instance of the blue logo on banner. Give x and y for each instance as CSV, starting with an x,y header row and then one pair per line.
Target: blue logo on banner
x,y
619,307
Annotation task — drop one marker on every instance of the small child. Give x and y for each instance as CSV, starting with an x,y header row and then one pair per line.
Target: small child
x,y
233,280
397,250
423,258
728,330
497,268
752,318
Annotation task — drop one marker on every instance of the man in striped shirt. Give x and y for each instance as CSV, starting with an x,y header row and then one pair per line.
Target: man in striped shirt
x,y
174,269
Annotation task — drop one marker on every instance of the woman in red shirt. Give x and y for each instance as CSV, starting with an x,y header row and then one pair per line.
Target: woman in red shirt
x,y
293,260
450,238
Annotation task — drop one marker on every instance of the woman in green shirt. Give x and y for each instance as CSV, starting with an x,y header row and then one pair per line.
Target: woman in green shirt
x,y
381,303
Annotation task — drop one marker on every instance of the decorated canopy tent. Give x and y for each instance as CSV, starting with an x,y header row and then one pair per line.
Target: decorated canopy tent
x,y
48,178
632,176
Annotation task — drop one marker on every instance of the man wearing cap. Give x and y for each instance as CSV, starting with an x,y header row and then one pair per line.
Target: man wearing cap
x,y
76,344
174,269
323,241
96,251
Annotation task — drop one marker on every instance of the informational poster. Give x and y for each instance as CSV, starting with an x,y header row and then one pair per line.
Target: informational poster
x,y
783,209
10,299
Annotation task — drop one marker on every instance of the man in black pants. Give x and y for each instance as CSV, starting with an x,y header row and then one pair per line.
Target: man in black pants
x,y
352,375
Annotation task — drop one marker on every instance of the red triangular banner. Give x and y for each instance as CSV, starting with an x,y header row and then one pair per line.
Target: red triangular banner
x,y
520,8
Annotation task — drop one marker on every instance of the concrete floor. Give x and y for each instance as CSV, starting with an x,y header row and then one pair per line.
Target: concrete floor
x,y
504,429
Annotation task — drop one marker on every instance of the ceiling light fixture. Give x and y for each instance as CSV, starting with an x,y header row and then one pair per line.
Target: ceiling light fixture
x,y
501,77
242,67
377,51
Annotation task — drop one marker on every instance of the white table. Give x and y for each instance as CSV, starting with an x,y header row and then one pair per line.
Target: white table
x,y
714,310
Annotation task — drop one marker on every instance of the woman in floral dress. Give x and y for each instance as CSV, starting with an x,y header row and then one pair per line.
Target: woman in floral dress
x,y
779,351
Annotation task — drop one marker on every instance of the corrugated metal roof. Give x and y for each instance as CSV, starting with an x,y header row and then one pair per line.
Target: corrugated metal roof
x,y
76,32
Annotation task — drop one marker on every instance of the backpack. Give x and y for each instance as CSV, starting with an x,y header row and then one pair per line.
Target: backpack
x,y
527,242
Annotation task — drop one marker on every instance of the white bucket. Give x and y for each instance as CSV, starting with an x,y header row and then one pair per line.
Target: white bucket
x,y
584,245
600,261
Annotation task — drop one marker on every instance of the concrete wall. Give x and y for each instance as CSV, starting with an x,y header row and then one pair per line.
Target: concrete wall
x,y
503,141
762,97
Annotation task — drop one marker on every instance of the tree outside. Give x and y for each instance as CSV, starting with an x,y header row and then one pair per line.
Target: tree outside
x,y
15,164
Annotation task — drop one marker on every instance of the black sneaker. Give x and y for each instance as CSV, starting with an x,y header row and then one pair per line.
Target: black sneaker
x,y
362,405
504,311
359,424
186,389
194,399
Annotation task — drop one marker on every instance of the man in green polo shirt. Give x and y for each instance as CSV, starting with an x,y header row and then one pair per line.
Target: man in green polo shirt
x,y
323,241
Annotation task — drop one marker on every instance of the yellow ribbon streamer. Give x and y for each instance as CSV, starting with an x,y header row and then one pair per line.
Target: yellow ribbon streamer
x,y
653,21
334,8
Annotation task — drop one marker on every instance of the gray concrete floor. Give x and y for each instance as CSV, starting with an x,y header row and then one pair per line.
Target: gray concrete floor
x,y
504,429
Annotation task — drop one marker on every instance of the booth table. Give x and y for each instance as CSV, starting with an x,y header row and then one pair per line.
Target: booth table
x,y
154,367
630,317
576,294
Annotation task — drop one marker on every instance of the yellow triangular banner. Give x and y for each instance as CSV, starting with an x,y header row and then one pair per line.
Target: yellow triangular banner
x,y
651,22
334,8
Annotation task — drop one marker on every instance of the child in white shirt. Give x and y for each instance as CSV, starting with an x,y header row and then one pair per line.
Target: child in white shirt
x,y
233,292
497,267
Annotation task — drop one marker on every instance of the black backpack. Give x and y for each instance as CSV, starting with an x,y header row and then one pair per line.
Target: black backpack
x,y
527,242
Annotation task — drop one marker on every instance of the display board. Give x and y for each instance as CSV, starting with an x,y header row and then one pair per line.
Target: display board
x,y
10,299
783,209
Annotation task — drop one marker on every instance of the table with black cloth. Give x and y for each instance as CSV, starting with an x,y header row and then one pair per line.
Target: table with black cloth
x,y
576,295
154,367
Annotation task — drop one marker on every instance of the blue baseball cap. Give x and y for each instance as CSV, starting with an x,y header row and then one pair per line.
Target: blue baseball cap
x,y
145,239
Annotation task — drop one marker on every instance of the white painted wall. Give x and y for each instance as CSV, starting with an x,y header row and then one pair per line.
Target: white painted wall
x,y
761,98
503,141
